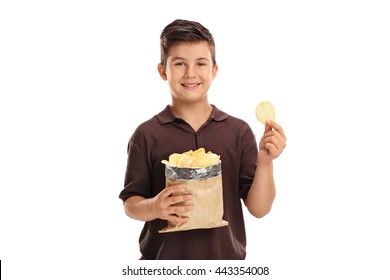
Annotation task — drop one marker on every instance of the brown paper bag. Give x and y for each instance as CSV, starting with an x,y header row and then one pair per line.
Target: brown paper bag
x,y
205,185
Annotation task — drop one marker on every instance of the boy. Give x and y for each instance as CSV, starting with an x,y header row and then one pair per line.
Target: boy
x,y
188,64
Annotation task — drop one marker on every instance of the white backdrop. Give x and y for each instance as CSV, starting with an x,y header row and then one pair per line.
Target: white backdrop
x,y
77,77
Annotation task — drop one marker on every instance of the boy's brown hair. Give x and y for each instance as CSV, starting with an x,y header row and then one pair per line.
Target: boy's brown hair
x,y
184,31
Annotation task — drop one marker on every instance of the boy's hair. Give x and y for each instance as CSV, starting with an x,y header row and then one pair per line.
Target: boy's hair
x,y
184,31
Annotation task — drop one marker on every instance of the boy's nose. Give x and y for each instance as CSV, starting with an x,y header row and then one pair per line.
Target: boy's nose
x,y
190,73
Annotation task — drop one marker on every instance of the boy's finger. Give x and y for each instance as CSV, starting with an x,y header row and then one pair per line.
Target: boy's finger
x,y
277,127
272,149
172,189
267,128
178,220
182,209
179,198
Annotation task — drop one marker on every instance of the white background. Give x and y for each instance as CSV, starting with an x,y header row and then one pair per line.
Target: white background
x,y
77,77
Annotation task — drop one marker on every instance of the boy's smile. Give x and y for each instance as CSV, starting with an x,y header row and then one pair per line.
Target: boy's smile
x,y
190,86
189,71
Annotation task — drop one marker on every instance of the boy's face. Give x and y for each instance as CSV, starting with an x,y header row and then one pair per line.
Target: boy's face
x,y
189,71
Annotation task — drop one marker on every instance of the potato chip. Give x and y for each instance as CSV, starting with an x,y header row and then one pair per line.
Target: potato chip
x,y
198,151
185,161
173,158
203,160
265,111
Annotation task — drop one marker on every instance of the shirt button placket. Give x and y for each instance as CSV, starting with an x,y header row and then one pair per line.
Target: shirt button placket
x,y
197,140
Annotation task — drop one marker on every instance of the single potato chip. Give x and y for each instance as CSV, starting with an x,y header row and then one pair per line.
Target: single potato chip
x,y
185,161
202,161
173,159
265,111
199,151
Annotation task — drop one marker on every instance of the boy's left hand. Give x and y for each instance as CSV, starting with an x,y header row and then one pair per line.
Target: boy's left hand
x,y
272,143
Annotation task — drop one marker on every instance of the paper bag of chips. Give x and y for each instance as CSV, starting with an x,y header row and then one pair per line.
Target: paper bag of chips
x,y
200,174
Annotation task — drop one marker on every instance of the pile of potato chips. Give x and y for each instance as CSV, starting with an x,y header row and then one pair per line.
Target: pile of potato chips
x,y
193,159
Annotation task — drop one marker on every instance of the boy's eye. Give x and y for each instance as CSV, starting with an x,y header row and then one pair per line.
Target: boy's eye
x,y
202,63
179,63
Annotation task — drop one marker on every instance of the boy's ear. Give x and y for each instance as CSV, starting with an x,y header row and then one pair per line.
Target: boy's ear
x,y
161,71
215,70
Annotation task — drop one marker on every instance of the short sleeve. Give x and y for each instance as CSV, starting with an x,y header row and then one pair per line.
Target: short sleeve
x,y
248,164
138,170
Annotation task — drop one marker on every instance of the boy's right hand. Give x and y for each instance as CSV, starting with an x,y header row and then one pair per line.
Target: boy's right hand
x,y
169,207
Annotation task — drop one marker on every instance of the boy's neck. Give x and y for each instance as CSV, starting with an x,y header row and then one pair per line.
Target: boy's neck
x,y
195,114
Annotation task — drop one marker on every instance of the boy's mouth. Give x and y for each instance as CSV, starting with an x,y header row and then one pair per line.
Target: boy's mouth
x,y
190,85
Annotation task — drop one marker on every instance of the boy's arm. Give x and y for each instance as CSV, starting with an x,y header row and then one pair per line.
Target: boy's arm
x,y
162,206
262,192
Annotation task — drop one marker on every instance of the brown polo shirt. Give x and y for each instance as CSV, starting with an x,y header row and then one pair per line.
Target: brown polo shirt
x,y
163,135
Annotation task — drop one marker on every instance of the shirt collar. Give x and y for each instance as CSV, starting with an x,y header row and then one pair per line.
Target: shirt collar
x,y
167,116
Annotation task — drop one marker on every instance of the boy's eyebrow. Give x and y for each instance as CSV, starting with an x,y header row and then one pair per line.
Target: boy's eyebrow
x,y
182,58
178,58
